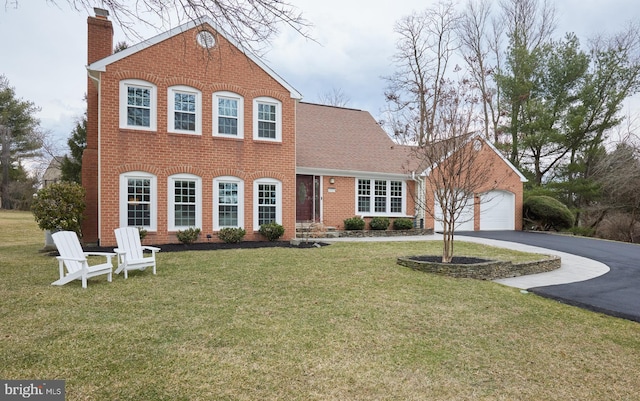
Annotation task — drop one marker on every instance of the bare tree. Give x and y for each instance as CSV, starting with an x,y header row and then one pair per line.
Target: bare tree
x,y
334,97
250,23
458,164
618,173
480,45
426,46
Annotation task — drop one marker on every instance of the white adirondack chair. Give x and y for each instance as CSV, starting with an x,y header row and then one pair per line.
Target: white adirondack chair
x,y
75,260
131,254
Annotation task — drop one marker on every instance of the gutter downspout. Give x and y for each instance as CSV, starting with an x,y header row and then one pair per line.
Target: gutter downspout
x,y
98,82
420,197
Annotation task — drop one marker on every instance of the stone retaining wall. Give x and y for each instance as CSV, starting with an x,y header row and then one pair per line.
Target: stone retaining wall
x,y
484,271
383,233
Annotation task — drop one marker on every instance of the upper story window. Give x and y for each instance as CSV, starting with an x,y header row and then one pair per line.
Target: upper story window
x,y
185,202
267,119
138,200
185,110
228,112
380,197
138,105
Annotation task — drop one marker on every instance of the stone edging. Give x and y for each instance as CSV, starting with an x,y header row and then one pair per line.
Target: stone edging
x,y
491,270
383,233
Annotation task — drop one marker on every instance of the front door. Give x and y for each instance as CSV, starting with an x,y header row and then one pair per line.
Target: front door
x,y
307,198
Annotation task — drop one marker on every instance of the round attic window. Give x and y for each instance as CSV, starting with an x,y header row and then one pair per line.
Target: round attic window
x,y
206,39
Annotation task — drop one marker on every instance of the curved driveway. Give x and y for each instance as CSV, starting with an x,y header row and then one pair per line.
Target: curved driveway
x,y
616,293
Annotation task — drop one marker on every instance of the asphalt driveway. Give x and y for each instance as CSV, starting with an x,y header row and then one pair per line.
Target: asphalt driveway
x,y
616,293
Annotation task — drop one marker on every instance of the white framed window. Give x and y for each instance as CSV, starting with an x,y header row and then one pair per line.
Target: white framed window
x,y
380,197
185,202
267,202
228,115
228,202
138,200
138,105
185,110
267,119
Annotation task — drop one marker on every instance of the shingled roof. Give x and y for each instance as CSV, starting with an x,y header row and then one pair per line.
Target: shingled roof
x,y
344,141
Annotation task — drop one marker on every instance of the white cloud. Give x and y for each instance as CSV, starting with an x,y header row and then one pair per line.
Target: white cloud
x,y
43,50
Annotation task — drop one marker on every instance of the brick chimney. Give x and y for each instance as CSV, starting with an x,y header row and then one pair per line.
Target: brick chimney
x,y
100,39
99,46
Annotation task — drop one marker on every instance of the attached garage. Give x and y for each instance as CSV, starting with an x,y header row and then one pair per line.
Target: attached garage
x,y
463,223
497,211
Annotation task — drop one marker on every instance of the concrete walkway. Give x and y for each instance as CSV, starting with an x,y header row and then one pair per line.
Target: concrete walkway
x,y
573,268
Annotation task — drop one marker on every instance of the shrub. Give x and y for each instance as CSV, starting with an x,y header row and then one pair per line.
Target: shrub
x,y
379,223
354,223
547,213
402,223
272,231
583,231
142,232
60,206
231,235
188,236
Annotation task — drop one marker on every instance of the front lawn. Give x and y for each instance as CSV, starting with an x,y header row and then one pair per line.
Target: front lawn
x,y
341,322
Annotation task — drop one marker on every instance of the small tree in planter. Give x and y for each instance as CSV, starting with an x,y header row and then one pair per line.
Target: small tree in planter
x,y
59,207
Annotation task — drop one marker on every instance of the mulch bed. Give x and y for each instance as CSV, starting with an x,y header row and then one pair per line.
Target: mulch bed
x,y
458,260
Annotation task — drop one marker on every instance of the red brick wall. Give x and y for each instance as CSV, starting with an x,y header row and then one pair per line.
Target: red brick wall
x,y
180,61
341,203
499,177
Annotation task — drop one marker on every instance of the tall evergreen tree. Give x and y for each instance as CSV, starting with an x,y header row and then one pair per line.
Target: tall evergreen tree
x,y
71,165
19,136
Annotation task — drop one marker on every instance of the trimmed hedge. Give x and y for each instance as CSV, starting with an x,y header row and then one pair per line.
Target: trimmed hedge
x,y
272,231
354,223
231,235
379,223
402,223
547,213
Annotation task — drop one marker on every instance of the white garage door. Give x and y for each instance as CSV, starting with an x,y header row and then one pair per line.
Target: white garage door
x,y
497,211
463,223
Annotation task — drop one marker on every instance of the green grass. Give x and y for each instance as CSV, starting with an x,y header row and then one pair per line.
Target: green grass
x,y
342,322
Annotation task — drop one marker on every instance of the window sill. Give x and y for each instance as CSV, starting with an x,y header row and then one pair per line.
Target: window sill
x,y
137,131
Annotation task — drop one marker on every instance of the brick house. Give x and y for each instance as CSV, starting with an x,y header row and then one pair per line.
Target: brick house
x,y
187,130
348,166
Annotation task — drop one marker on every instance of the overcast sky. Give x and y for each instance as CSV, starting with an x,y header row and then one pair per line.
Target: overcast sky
x,y
43,50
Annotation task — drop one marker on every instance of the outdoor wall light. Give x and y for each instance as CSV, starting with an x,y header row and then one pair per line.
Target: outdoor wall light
x,y
332,180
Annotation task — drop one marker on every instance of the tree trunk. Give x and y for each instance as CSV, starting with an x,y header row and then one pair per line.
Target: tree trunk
x,y
5,161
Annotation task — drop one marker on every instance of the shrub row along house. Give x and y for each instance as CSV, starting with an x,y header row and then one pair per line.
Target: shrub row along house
x,y
187,130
